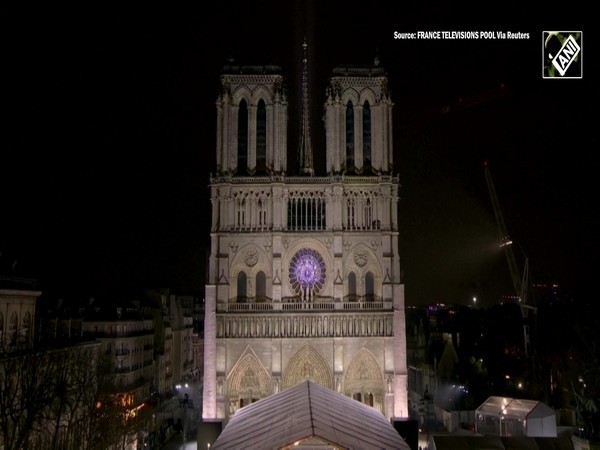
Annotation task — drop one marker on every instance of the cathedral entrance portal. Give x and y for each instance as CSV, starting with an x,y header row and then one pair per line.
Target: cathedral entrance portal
x,y
307,364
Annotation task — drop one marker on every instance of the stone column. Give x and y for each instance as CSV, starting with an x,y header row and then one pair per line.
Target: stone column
x,y
400,364
209,393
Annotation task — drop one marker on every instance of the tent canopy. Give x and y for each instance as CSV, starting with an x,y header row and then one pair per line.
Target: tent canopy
x,y
304,413
500,443
496,406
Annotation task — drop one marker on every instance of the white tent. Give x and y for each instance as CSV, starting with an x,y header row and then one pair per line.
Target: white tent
x,y
503,416
309,416
449,442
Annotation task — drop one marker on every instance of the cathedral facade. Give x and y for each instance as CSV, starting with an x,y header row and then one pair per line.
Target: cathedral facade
x,y
304,271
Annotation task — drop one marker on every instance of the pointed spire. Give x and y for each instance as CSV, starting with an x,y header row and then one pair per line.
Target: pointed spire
x,y
305,149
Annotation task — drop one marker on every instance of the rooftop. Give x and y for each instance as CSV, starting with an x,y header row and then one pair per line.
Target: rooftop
x,y
307,414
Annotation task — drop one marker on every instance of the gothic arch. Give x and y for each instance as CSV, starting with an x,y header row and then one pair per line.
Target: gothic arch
x,y
364,377
350,94
248,378
262,93
251,260
361,259
307,364
241,93
369,96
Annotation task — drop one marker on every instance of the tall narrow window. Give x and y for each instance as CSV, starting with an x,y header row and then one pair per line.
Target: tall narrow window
x,y
261,135
349,134
26,327
261,287
242,163
306,214
242,295
366,134
369,287
12,328
261,221
368,213
351,287
350,210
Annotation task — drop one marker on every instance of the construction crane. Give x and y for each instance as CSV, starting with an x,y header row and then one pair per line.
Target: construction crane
x,y
521,285
505,241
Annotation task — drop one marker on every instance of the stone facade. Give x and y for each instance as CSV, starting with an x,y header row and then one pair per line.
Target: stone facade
x,y
17,318
127,340
304,271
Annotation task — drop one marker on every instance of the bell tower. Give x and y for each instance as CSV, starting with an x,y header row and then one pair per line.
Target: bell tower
x,y
358,121
251,121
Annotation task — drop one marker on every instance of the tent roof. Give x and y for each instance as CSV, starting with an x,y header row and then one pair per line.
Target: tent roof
x,y
305,411
506,406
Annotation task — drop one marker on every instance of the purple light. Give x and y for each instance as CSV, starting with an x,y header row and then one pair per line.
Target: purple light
x,y
307,270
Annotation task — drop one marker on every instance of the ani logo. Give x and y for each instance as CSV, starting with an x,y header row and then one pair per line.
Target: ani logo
x,y
562,54
307,273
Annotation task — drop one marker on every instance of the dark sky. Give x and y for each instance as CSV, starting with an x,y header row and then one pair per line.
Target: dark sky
x,y
109,137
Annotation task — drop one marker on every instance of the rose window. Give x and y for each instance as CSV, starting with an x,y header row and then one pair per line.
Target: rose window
x,y
307,273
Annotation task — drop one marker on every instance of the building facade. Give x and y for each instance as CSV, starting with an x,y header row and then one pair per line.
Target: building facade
x,y
304,271
127,342
17,318
181,319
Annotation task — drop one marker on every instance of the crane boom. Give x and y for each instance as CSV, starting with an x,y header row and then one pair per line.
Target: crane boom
x,y
505,241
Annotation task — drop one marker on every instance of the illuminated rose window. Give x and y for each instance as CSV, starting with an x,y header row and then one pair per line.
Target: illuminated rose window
x,y
307,273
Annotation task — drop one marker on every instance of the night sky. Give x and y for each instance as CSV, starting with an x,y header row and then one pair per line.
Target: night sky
x,y
109,135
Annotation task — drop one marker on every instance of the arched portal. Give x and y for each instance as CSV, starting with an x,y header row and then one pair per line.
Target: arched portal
x,y
307,364
247,382
364,380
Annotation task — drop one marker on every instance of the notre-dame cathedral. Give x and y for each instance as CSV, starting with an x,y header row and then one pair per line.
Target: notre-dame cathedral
x,y
304,271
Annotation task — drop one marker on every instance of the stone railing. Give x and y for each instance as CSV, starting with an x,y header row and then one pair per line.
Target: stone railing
x,y
304,325
303,180
385,305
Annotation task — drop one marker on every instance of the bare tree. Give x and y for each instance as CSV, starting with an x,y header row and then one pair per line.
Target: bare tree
x,y
65,399
67,418
117,419
26,390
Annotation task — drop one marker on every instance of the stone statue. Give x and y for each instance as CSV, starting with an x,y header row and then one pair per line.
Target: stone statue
x,y
276,385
